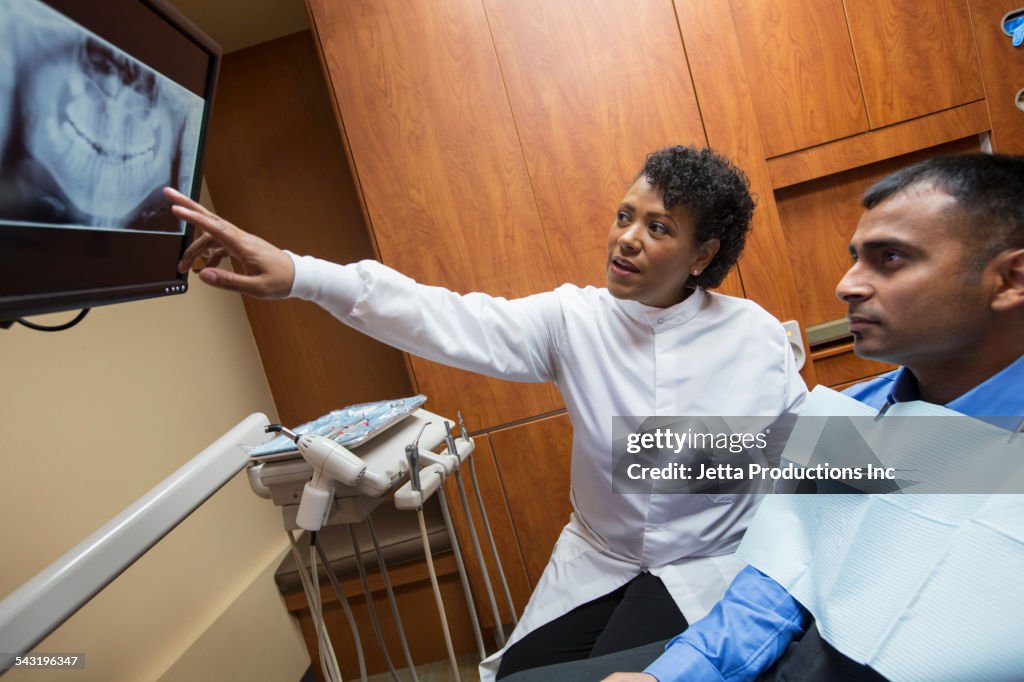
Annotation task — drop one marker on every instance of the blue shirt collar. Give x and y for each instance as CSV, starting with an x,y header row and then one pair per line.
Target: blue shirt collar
x,y
1000,395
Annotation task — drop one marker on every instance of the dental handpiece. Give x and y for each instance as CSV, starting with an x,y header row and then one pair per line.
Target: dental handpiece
x,y
284,430
332,461
412,455
462,426
449,441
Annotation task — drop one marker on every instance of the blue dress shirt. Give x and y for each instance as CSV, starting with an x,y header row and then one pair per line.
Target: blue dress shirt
x,y
750,628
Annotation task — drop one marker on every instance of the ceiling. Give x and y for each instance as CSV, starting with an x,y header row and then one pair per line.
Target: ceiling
x,y
237,24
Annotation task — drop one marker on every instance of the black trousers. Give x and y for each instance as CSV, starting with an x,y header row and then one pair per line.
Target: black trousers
x,y
808,659
639,612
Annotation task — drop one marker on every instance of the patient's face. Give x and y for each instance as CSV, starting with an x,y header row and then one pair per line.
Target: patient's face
x,y
911,296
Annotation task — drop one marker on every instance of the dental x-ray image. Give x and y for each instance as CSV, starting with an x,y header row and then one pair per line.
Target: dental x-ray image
x,y
88,134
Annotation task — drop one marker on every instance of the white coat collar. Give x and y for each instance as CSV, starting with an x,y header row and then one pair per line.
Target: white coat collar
x,y
663,319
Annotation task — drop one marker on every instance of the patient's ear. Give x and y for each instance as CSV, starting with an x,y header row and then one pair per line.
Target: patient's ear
x,y
1009,267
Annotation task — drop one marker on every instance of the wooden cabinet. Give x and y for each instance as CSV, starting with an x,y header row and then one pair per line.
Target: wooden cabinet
x,y
838,366
730,120
916,57
1002,68
830,69
799,58
822,99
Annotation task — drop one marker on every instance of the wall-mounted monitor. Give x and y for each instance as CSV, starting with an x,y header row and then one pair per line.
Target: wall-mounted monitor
x,y
102,104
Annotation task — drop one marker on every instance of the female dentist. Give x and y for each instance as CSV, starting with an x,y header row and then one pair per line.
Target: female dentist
x,y
627,570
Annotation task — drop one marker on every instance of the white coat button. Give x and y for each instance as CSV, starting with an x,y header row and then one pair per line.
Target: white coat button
x,y
661,320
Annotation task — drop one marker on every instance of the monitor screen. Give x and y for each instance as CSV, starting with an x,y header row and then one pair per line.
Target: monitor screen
x,y
102,104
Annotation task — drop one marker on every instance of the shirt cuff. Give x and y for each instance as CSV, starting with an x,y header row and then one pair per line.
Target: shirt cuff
x,y
683,662
316,279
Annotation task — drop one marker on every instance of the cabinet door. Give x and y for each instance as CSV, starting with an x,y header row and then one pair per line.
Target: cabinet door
x,y
916,57
1002,67
594,85
438,162
802,70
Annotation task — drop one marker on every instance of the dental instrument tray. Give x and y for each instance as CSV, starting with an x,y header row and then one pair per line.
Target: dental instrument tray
x,y
350,426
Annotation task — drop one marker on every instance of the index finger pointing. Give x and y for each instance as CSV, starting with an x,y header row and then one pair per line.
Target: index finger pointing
x,y
218,228
201,216
188,209
179,199
203,219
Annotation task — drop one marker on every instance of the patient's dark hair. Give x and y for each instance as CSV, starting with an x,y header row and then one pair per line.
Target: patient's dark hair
x,y
717,195
988,188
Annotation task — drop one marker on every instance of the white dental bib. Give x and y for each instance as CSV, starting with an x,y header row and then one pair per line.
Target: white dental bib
x,y
917,586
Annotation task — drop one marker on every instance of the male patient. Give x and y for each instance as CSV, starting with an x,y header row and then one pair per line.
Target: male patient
x,y
937,286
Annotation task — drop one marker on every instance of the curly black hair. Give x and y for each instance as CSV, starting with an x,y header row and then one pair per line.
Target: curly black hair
x,y
717,195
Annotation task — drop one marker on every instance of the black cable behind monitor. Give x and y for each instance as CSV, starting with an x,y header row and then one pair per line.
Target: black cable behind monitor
x,y
45,328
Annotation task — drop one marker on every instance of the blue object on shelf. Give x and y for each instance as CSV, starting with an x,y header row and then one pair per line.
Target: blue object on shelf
x,y
349,426
1013,26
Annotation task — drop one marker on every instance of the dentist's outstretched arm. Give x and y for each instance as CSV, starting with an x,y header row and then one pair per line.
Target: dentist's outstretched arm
x,y
266,271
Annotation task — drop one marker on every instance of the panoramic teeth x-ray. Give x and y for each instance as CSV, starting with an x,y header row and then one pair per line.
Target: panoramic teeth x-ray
x,y
89,135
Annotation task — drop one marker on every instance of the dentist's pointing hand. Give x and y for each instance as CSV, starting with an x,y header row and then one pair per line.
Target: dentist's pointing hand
x,y
266,271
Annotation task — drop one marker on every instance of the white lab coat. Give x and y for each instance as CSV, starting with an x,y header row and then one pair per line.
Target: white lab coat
x,y
709,355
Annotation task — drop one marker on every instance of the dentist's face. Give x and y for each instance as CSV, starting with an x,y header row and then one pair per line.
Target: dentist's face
x,y
651,249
